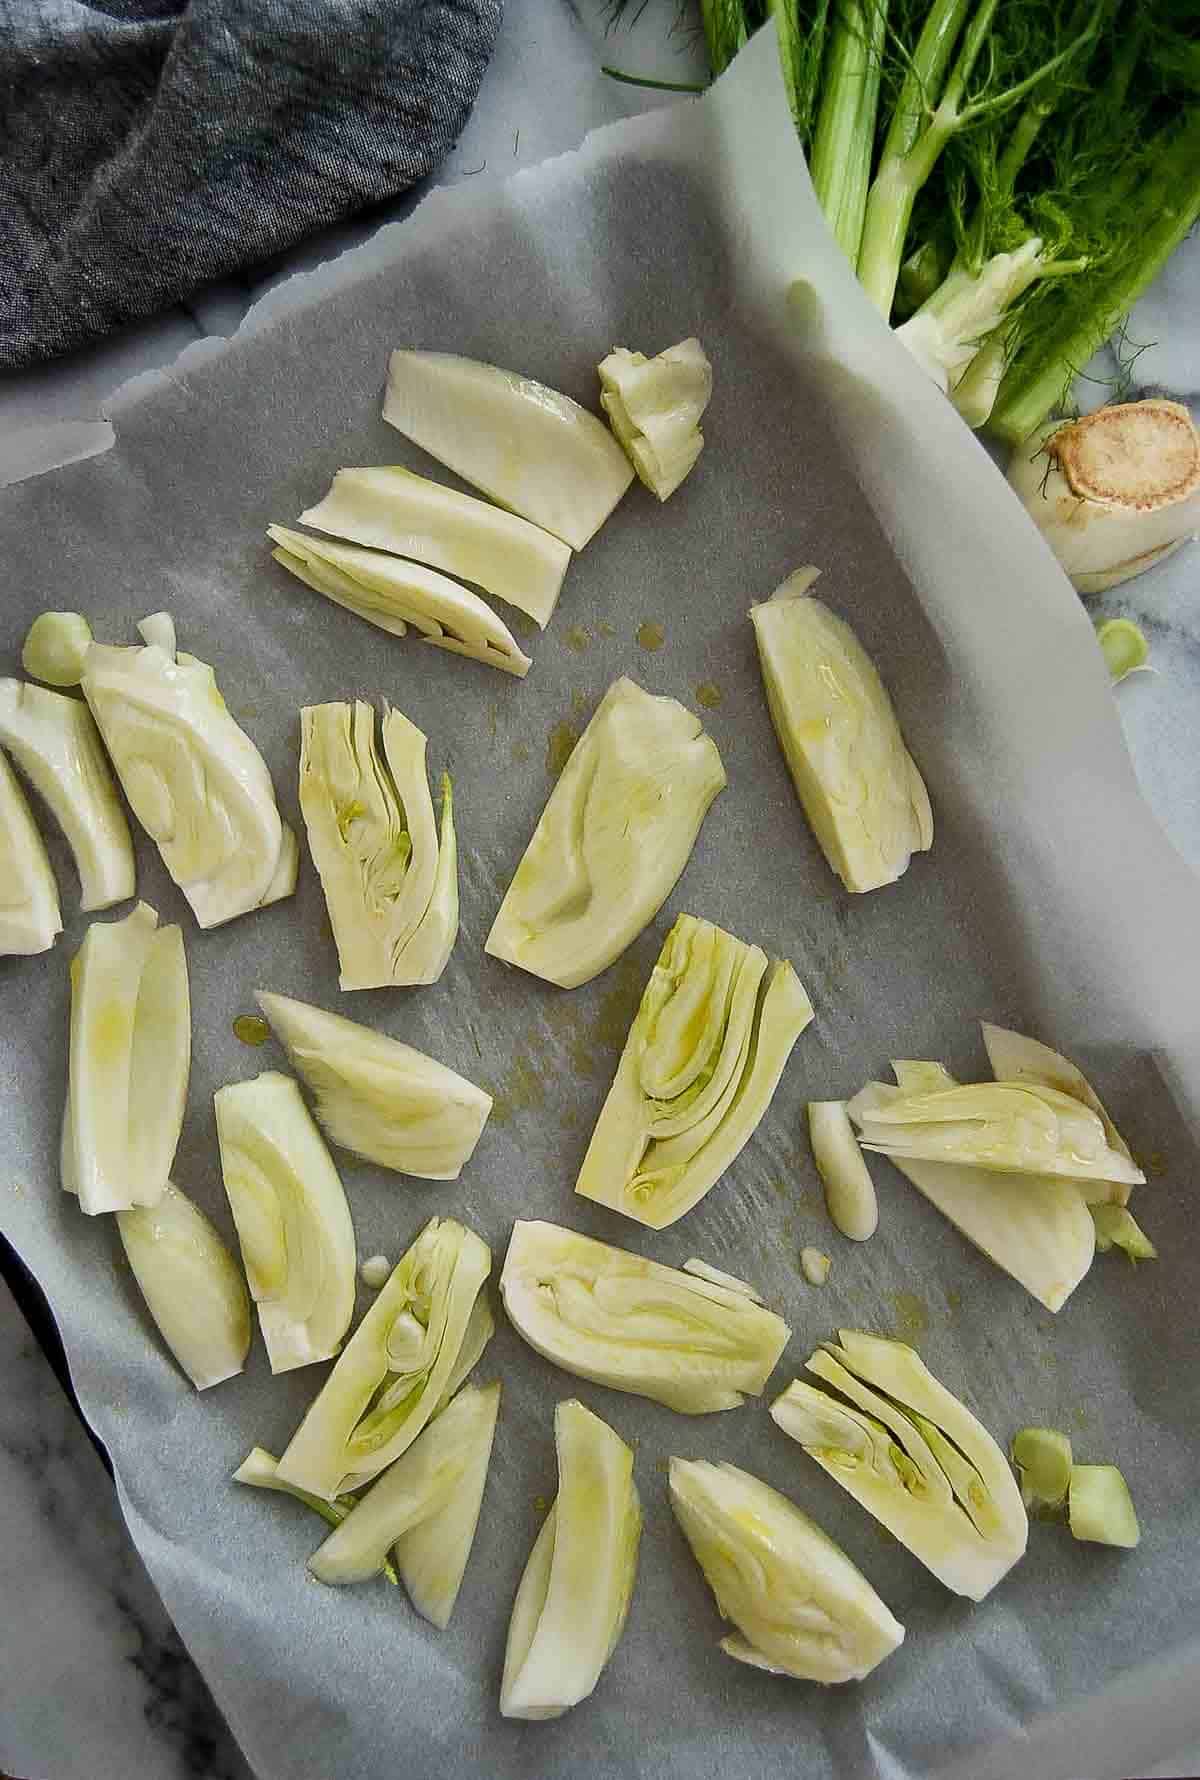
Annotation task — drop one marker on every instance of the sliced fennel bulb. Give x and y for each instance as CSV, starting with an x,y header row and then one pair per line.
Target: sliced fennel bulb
x,y
424,1509
55,743
913,1455
192,1286
1100,1507
800,1606
690,1342
704,1055
391,509
1020,1060
1042,1457
129,1059
30,917
613,839
573,1598
395,595
378,1097
654,406
859,786
534,451
55,647
194,779
292,1219
392,897
849,1189
260,1470
412,1350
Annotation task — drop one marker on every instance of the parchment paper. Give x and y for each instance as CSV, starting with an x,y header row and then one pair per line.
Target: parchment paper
x,y
1051,901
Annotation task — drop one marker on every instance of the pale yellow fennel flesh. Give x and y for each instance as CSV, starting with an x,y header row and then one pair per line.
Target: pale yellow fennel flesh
x,y
849,1190
391,887
55,743
55,646
391,509
529,448
292,1219
654,406
800,1606
680,1338
192,1286
573,1598
613,839
412,1350
1100,1508
193,778
377,1097
912,1455
710,1040
30,916
128,1062
860,788
1043,1460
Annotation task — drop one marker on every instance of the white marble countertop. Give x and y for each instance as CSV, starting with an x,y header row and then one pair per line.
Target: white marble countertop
x,y
94,1682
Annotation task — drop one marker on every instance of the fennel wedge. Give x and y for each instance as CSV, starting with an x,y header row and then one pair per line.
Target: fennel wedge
x,y
534,451
192,1286
704,1055
378,1097
391,887
679,1337
30,916
292,1219
408,1356
128,1063
613,839
654,406
573,1598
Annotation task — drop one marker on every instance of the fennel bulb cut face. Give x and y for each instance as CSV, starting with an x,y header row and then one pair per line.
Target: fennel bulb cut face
x,y
292,1219
573,1599
1100,1507
426,1506
534,451
392,898
56,744
1114,492
391,509
912,1455
703,1058
30,917
396,595
860,788
378,1097
849,1189
427,1327
192,1286
654,406
800,1605
684,1339
613,839
194,779
129,1059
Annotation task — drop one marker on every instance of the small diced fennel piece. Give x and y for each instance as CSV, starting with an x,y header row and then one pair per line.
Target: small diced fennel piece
x,y
425,1508
703,1058
613,839
1116,1227
1022,1061
194,779
1043,1460
30,917
159,627
400,1365
1124,647
912,1455
849,1190
815,1265
378,1097
55,646
292,1219
375,1272
391,509
634,1325
1100,1508
374,841
800,1605
655,406
860,788
129,1059
573,1598
192,1286
1113,492
396,595
529,448
56,744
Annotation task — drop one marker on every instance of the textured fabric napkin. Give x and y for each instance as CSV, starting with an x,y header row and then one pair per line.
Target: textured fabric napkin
x,y
147,146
